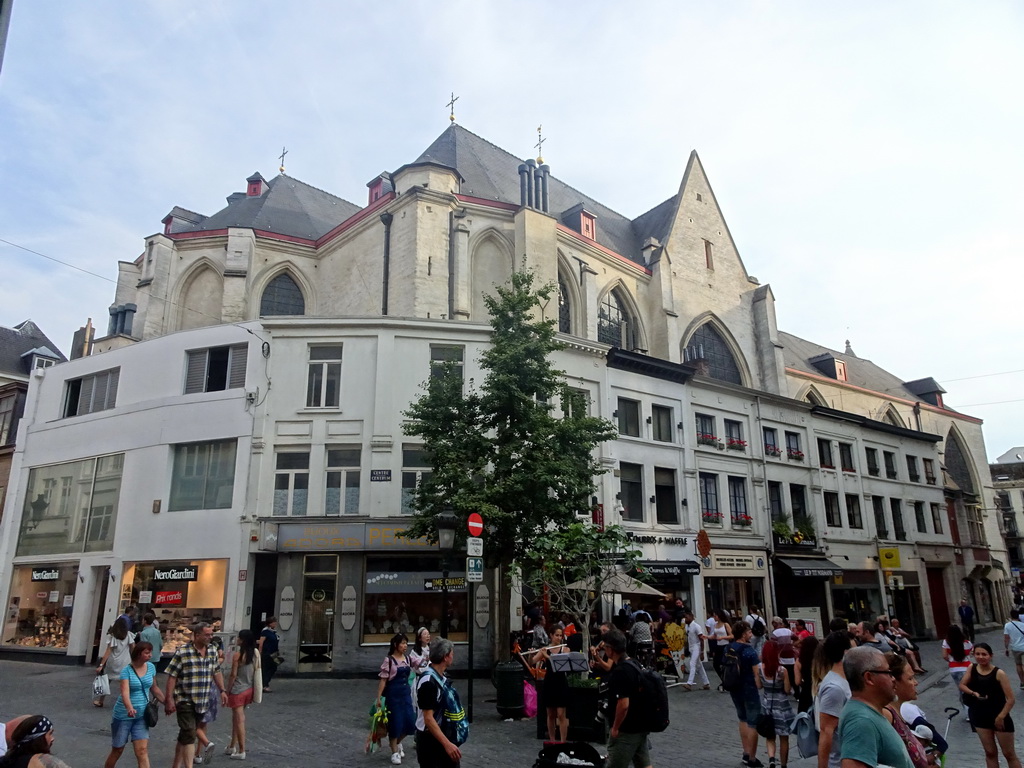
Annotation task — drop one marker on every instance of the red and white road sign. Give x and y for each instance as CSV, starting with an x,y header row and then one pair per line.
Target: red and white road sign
x,y
475,524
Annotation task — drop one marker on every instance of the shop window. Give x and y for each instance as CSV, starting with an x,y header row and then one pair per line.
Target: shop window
x,y
203,476
936,518
404,593
709,509
415,468
881,526
919,517
665,495
40,606
853,515
447,360
342,496
316,616
738,502
215,369
661,423
291,484
89,394
180,593
631,491
323,383
629,417
833,515
778,514
71,507
890,465
825,454
871,457
899,530
846,457
912,472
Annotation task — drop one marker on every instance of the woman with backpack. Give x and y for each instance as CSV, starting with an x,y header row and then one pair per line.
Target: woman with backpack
x,y
394,687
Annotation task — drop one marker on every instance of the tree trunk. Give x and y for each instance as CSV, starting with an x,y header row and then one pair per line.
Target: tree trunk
x,y
502,616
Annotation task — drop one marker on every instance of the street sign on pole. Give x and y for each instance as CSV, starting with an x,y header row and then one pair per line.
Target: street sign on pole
x,y
474,569
475,546
475,523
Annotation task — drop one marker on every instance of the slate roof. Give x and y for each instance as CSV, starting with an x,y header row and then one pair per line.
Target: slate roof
x,y
492,173
22,338
859,372
291,207
1012,456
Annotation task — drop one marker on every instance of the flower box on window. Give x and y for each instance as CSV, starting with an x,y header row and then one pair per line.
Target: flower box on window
x,y
703,438
735,444
742,520
795,455
772,450
715,518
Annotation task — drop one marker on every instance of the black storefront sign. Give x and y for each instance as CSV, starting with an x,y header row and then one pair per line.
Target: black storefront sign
x,y
175,572
45,574
664,568
819,567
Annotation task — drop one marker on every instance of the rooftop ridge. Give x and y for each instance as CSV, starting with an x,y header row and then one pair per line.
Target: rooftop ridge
x,y
310,186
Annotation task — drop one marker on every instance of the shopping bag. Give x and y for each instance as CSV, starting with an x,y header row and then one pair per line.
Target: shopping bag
x,y
100,686
378,726
529,699
257,680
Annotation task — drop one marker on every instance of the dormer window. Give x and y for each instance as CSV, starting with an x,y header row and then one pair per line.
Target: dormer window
x,y
840,370
830,365
254,189
42,362
256,185
588,225
581,220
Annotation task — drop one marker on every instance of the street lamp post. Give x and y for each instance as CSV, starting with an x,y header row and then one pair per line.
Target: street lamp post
x,y
446,543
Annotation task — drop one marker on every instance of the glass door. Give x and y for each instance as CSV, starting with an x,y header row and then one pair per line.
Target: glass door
x,y
316,617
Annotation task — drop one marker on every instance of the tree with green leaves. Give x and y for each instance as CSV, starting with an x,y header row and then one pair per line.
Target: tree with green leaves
x,y
505,450
576,564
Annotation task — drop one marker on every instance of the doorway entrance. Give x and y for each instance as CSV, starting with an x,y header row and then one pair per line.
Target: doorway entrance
x,y
316,616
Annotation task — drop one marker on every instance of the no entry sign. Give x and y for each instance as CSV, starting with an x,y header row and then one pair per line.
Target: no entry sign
x,y
475,524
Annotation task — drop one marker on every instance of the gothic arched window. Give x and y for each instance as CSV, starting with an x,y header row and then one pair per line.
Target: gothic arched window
x,y
564,308
615,325
282,296
707,344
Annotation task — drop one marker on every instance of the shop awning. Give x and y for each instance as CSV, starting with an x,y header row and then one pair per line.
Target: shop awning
x,y
810,566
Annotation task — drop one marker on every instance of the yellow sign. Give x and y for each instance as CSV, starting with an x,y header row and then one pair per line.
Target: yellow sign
x,y
890,557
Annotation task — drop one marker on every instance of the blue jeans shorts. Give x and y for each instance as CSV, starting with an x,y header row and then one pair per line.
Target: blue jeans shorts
x,y
748,706
123,731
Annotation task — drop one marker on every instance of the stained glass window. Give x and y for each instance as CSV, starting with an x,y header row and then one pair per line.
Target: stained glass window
x,y
282,297
614,325
564,310
708,344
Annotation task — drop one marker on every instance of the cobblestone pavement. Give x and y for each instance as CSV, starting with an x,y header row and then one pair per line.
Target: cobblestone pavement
x,y
314,723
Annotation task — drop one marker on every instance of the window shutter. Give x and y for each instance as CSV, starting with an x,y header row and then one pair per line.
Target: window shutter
x,y
85,395
114,377
99,392
195,372
236,365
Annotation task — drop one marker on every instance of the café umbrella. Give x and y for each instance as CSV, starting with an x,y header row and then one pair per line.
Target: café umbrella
x,y
617,582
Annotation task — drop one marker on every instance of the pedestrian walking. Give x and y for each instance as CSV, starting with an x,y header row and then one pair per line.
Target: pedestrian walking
x,y
956,650
721,636
784,636
205,748
433,748
118,654
831,697
865,736
191,673
419,654
30,744
1013,642
803,672
759,628
777,701
745,697
627,738
151,632
134,687
241,692
268,645
989,697
695,642
395,672
966,613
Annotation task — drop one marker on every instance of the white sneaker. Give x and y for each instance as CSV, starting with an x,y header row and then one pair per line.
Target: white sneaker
x,y
209,752
396,758
198,759
236,756
401,750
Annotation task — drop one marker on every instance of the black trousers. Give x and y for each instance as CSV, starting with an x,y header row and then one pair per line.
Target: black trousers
x,y
269,668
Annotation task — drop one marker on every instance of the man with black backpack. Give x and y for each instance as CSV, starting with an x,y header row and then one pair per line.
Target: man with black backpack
x,y
440,722
740,663
758,628
628,739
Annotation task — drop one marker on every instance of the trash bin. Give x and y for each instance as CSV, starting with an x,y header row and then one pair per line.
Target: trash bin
x,y
508,680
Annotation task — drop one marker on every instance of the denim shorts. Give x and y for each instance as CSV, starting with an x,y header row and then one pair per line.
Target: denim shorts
x,y
748,705
123,731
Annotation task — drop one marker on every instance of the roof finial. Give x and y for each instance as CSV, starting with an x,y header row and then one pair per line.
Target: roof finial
x,y
849,349
540,145
283,153
451,106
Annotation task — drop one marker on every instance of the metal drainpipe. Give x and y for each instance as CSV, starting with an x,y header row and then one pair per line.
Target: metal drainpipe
x,y
451,265
771,533
917,416
386,219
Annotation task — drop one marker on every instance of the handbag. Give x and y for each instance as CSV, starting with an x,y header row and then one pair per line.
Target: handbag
x,y
151,714
765,726
257,679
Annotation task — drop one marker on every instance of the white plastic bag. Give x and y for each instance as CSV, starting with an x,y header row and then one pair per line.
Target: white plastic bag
x,y
100,686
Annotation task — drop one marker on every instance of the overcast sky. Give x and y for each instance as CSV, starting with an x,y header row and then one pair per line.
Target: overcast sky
x,y
867,156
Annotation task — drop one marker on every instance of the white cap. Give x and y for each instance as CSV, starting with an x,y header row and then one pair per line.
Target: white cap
x,y
923,732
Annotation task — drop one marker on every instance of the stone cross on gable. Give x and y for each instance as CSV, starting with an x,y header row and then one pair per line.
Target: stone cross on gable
x,y
451,106
540,145
283,153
